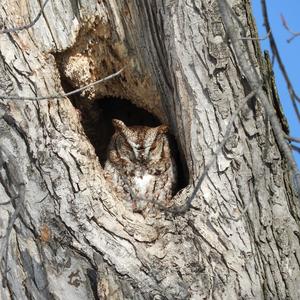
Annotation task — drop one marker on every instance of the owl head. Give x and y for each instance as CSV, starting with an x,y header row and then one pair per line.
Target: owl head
x,y
140,143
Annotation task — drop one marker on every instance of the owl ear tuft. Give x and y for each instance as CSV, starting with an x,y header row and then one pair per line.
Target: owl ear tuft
x,y
162,129
118,125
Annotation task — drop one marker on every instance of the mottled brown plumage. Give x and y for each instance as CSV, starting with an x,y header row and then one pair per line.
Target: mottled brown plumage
x,y
140,166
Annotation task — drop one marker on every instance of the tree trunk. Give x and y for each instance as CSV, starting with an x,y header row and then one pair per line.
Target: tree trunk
x,y
64,235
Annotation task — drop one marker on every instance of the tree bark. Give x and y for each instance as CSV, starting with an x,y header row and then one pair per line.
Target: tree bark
x,y
64,235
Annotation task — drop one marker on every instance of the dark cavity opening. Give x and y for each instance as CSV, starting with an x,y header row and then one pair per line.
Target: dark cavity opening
x,y
96,118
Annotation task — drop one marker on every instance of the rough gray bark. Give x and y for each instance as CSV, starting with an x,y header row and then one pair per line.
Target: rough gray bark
x,y
72,238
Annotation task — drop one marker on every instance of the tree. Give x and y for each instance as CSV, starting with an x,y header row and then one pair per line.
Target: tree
x,y
232,232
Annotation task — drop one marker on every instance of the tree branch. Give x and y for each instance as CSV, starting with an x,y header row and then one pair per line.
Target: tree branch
x,y
256,39
294,97
27,26
187,205
292,139
254,81
58,96
296,148
15,179
286,26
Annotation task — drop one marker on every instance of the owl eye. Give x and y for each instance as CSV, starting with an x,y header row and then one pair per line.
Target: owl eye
x,y
157,148
153,146
122,143
158,142
139,147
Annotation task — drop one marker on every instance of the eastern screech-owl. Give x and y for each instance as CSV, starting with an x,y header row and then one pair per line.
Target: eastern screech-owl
x,y
140,165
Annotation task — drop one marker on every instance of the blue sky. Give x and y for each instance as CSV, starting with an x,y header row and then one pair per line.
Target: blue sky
x,y
290,52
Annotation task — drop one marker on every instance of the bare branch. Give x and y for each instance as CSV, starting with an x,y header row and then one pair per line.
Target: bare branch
x,y
187,205
257,39
294,97
254,80
5,203
292,139
286,26
221,145
58,96
16,180
15,29
296,148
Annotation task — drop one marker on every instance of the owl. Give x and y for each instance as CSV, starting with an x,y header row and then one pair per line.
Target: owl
x,y
140,166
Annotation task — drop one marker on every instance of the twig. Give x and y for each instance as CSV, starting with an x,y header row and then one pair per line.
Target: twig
x,y
16,180
256,39
297,182
5,203
286,26
187,205
15,29
13,218
254,81
296,148
292,139
294,97
58,96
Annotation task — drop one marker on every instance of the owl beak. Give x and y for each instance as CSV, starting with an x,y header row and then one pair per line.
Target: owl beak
x,y
143,156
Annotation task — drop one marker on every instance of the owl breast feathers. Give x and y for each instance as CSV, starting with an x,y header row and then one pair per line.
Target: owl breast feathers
x,y
140,165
